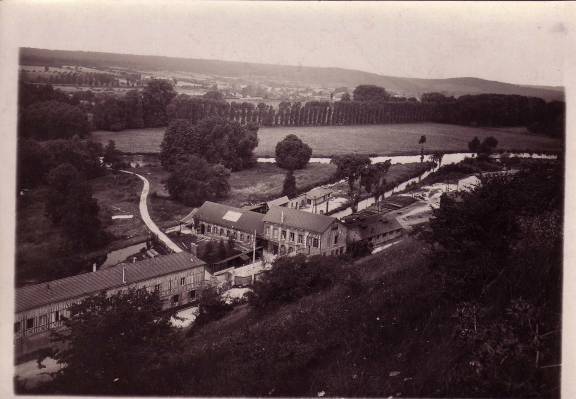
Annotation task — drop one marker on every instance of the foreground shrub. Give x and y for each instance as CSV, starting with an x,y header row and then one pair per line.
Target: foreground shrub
x,y
294,277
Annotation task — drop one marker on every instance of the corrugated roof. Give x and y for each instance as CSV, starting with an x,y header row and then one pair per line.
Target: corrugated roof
x,y
38,295
299,219
248,221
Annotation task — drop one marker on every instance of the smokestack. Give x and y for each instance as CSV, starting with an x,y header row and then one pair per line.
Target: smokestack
x,y
93,267
123,275
282,217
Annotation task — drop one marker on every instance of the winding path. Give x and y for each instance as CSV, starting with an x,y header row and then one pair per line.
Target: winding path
x,y
146,216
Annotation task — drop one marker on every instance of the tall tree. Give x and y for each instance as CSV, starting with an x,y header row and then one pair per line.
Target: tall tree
x,y
422,141
474,145
292,153
351,167
437,158
373,178
134,339
156,97
215,139
194,181
70,205
51,120
289,186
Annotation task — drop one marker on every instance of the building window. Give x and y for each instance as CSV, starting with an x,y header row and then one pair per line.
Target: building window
x,y
169,284
29,323
209,229
157,287
175,298
336,238
182,280
291,236
17,326
43,320
275,233
221,231
300,238
192,294
283,234
315,242
57,316
267,231
241,236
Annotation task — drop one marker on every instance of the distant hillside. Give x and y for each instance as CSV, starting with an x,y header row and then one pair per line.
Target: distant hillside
x,y
326,77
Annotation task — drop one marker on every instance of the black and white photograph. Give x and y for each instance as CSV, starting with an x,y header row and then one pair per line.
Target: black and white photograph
x,y
286,199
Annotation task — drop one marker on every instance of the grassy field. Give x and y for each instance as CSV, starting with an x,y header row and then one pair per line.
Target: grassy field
x,y
40,244
397,139
264,182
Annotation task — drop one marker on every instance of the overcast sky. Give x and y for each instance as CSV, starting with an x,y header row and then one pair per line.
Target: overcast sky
x,y
518,43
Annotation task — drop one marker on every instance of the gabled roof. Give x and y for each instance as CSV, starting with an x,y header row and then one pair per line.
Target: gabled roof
x,y
372,225
81,285
299,219
228,216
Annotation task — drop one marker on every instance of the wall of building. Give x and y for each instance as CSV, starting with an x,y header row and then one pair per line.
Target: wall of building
x,y
376,239
295,240
216,231
175,289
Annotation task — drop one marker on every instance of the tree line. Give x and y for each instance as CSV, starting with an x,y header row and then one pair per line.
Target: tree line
x,y
373,105
92,79
158,104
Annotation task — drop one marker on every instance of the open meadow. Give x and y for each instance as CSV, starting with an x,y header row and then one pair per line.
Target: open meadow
x,y
393,139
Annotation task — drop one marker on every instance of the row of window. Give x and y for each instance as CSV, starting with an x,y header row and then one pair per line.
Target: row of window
x,y
383,235
284,234
60,315
40,321
228,233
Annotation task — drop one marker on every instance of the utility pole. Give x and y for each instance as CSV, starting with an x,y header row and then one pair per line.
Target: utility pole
x,y
254,248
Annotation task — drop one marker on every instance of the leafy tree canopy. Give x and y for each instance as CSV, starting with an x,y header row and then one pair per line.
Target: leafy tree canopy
x,y
51,120
371,93
215,139
292,153
155,98
117,345
193,181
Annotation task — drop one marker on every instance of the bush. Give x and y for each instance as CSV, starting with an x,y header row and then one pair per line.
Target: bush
x,y
294,277
211,307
